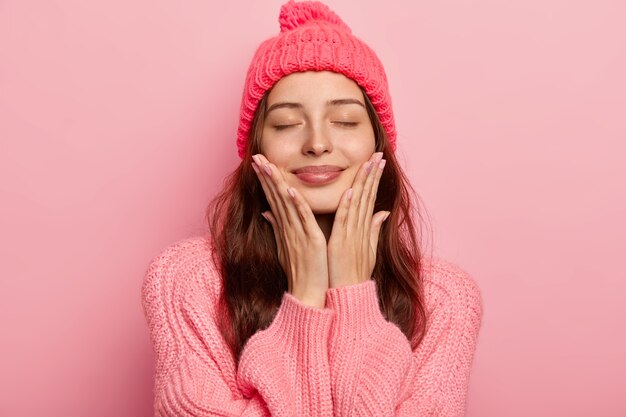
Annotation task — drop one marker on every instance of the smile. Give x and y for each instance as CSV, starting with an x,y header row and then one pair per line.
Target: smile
x,y
318,178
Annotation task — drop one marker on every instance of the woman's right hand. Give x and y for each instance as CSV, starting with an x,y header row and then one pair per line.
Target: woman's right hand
x,y
300,241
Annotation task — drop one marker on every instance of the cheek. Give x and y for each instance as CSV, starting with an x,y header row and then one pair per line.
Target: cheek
x,y
350,174
279,160
279,154
359,149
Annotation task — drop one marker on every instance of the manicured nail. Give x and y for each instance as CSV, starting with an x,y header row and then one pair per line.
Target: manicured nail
x,y
256,159
382,163
267,169
349,194
368,167
291,192
265,216
386,215
255,167
378,157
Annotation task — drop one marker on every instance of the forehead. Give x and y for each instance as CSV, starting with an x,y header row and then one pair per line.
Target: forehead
x,y
311,86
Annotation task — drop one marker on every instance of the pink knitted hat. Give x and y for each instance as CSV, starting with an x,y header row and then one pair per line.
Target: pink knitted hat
x,y
313,38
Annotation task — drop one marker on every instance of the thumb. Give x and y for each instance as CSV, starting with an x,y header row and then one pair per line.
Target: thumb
x,y
270,218
377,223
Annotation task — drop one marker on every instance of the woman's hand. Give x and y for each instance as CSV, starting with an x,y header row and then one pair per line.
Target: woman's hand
x,y
300,241
354,238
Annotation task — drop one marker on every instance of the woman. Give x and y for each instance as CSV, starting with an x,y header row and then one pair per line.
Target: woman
x,y
327,306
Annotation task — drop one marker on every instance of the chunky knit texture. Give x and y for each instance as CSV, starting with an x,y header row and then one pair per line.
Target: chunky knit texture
x,y
313,38
341,360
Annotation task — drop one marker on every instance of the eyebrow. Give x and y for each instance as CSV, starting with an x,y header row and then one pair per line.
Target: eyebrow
x,y
336,102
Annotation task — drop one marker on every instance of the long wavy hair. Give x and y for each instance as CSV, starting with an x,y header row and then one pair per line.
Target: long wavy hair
x,y
246,255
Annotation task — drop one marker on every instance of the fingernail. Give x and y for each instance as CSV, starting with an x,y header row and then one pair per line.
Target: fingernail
x,y
255,167
291,192
386,215
378,157
256,159
264,216
368,167
268,170
349,194
382,163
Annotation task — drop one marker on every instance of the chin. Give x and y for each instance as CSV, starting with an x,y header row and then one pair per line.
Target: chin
x,y
322,202
324,210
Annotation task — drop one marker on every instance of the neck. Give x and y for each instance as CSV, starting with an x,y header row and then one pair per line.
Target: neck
x,y
325,222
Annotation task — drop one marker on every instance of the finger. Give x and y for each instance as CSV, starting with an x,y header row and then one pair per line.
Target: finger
x,y
363,224
280,244
297,208
272,220
377,222
373,189
272,176
364,216
359,180
304,212
277,201
258,168
358,186
292,217
267,189
341,215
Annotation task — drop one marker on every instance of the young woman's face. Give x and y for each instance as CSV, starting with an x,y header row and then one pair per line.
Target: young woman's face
x,y
316,119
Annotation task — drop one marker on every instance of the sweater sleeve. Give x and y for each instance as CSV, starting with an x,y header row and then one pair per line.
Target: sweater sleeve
x,y
283,369
373,367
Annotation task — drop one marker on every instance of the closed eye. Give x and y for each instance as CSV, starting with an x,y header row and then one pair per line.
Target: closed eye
x,y
347,124
283,127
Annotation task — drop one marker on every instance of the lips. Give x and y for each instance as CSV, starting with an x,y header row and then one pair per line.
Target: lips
x,y
318,178
318,174
317,169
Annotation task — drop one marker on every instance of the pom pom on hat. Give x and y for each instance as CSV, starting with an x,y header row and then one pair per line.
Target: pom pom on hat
x,y
294,14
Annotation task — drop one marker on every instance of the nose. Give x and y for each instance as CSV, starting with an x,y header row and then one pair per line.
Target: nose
x,y
317,142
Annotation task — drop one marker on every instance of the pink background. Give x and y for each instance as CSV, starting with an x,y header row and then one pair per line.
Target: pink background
x,y
117,126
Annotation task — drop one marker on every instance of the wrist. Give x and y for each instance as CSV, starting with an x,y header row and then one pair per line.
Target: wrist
x,y
345,282
310,298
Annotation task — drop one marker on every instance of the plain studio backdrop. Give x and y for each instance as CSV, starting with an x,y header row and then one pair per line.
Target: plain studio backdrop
x,y
117,126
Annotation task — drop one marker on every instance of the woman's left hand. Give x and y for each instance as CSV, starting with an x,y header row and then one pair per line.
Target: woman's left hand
x,y
354,237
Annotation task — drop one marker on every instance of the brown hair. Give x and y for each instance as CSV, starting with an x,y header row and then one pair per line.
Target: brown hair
x,y
245,250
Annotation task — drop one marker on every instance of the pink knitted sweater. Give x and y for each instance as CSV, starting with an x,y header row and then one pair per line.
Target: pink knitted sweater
x,y
341,360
